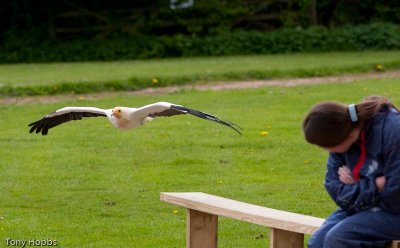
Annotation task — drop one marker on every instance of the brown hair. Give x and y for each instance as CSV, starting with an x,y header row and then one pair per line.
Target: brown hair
x,y
329,124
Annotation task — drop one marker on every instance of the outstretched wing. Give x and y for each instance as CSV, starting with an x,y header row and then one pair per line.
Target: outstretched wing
x,y
65,115
165,109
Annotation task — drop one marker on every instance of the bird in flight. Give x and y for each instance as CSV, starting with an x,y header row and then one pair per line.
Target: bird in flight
x,y
122,117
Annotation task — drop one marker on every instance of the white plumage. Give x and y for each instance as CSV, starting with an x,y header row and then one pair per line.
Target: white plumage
x,y
122,117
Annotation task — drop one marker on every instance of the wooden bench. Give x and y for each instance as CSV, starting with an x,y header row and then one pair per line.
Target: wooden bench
x,y
287,229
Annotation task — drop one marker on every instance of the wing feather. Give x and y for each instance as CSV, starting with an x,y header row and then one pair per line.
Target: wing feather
x,y
208,116
165,109
65,115
166,113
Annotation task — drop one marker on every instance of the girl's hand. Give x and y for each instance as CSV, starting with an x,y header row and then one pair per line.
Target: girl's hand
x,y
345,175
380,183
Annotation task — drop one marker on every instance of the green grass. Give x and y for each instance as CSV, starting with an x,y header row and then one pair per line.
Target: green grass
x,y
54,78
89,185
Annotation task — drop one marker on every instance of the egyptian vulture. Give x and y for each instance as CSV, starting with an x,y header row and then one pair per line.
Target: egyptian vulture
x,y
122,117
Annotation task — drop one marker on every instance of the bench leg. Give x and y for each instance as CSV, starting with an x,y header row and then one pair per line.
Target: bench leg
x,y
285,239
201,230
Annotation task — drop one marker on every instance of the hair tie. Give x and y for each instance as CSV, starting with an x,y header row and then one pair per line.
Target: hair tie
x,y
352,112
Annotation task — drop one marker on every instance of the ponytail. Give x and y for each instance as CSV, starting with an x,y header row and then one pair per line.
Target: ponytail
x,y
372,105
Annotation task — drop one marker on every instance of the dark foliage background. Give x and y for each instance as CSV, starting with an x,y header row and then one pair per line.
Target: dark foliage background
x,y
51,30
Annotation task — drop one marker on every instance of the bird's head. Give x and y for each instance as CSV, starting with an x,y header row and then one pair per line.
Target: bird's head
x,y
119,112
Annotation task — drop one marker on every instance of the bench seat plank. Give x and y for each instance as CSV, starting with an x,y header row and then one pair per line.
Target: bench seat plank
x,y
244,211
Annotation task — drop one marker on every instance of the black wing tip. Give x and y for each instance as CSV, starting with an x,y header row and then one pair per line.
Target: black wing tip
x,y
209,117
39,126
239,131
234,126
36,129
43,125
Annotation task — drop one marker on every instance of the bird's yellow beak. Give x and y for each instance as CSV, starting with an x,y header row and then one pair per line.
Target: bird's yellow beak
x,y
117,113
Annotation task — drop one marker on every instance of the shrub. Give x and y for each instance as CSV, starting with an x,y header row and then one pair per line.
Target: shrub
x,y
378,36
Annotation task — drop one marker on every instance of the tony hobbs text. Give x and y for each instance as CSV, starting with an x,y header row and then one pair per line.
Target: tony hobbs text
x,y
30,242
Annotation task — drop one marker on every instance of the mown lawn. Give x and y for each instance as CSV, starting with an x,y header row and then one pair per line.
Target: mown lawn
x,y
89,185
54,78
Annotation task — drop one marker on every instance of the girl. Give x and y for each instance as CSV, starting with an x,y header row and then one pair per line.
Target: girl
x,y
363,176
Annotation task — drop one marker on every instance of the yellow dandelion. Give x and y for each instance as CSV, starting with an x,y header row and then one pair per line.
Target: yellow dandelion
x,y
306,161
154,81
264,133
82,98
220,181
379,67
175,211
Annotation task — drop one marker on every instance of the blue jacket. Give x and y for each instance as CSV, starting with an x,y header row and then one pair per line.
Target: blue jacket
x,y
382,137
